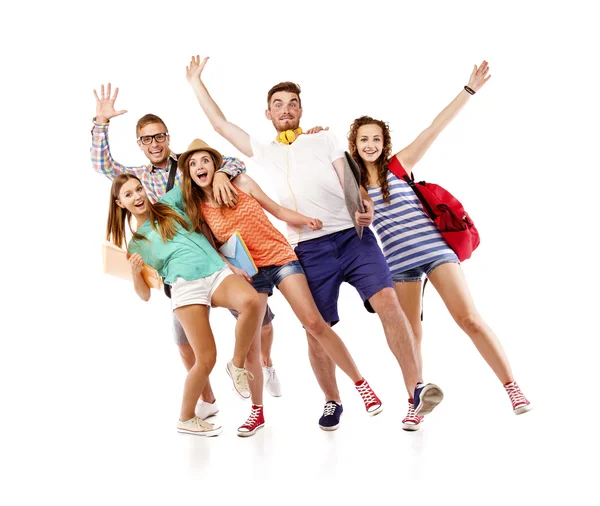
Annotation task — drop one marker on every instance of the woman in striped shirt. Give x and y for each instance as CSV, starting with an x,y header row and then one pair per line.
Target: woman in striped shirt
x,y
412,244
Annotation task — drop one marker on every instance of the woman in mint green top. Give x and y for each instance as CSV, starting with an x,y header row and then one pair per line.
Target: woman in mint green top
x,y
198,277
179,257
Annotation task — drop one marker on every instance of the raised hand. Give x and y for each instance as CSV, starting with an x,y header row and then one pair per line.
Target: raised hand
x,y
194,70
478,76
105,105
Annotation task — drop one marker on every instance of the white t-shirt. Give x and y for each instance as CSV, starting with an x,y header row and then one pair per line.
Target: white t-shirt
x,y
306,181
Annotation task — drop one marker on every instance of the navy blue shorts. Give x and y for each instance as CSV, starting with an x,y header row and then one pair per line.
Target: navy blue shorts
x,y
330,260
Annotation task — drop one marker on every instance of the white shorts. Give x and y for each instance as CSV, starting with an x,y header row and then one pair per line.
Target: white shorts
x,y
198,291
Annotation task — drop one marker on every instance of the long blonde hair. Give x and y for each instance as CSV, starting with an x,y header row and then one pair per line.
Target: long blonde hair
x,y
162,218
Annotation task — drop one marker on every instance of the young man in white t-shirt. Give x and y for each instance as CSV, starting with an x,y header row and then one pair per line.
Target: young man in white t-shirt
x,y
307,172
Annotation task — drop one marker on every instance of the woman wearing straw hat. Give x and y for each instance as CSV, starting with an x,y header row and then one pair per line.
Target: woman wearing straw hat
x,y
277,264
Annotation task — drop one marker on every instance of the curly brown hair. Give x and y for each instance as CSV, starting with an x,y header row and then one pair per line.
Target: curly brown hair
x,y
382,161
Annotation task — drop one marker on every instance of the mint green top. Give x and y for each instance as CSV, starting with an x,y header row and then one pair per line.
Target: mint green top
x,y
188,255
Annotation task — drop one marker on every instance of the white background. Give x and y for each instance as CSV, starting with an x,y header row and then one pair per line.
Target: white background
x,y
90,380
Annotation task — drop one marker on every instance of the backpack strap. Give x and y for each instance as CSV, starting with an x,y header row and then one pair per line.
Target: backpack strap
x,y
395,167
170,184
423,296
172,174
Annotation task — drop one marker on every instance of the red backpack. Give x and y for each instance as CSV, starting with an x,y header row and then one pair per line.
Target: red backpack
x,y
445,210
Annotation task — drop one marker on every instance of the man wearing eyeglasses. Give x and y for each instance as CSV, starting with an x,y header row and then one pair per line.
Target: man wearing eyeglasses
x,y
158,177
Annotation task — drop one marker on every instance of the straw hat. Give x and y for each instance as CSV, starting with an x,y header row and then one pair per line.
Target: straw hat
x,y
198,145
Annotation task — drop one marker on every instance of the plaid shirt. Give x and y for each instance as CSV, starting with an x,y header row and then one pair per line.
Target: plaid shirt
x,y
153,178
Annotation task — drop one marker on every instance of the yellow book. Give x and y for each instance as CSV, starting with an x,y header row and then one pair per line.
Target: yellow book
x,y
115,263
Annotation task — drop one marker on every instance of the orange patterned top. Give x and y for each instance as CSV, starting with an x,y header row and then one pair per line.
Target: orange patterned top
x,y
264,242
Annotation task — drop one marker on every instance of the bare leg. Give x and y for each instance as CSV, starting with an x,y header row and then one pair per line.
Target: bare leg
x,y
236,293
399,336
409,296
266,338
332,349
194,319
324,369
189,359
253,361
449,281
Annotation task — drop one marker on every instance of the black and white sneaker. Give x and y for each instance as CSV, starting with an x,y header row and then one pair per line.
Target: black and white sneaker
x,y
331,416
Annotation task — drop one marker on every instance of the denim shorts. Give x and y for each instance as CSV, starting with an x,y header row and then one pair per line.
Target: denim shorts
x,y
417,273
269,277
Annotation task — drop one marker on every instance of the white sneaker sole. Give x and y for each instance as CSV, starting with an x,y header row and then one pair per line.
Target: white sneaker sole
x,y
431,396
210,433
375,411
249,433
206,417
329,429
411,427
271,393
523,409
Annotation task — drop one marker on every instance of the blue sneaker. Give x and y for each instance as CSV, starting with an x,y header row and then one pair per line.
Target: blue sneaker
x,y
426,398
331,416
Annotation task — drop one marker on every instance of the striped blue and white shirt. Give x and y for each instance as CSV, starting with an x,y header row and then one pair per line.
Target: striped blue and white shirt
x,y
408,236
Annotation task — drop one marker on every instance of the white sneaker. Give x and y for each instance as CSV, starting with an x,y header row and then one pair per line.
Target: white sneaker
x,y
240,378
205,410
199,427
272,384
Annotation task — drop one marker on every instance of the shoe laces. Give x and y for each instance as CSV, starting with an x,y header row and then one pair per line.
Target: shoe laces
x,y
515,394
367,394
411,416
272,374
241,378
329,408
253,418
202,424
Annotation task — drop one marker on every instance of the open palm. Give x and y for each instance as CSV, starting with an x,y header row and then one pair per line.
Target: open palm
x,y
479,76
194,70
105,104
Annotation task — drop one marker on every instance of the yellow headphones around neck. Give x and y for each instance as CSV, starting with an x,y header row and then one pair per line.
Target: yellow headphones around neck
x,y
288,136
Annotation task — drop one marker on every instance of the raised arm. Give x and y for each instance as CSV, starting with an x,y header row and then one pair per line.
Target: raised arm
x,y
412,153
102,160
231,132
249,186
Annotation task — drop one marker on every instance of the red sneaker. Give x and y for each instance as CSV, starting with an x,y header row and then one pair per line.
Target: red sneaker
x,y
519,403
412,421
372,403
255,421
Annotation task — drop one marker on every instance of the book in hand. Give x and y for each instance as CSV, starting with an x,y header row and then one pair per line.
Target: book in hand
x,y
115,263
237,253
352,190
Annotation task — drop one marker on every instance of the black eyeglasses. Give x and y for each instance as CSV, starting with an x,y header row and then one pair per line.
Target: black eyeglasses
x,y
147,139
